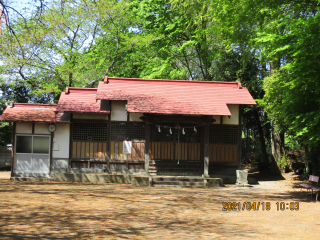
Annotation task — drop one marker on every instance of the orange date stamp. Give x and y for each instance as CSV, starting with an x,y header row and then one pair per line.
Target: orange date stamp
x,y
256,206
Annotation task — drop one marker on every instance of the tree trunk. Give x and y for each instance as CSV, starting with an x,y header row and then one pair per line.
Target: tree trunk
x,y
277,151
277,138
70,79
277,145
261,136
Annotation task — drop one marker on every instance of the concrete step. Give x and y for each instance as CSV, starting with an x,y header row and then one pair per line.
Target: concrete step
x,y
192,186
178,183
177,179
33,179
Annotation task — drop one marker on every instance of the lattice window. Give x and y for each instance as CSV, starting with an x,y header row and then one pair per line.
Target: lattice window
x,y
223,134
164,134
127,131
90,132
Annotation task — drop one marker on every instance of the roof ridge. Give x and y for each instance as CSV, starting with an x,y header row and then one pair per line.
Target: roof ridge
x,y
107,80
77,89
34,105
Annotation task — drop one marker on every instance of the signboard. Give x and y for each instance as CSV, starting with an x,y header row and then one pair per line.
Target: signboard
x,y
127,147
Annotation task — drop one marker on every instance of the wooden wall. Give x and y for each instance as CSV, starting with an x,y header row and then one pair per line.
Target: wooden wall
x,y
169,151
157,151
89,150
223,152
137,150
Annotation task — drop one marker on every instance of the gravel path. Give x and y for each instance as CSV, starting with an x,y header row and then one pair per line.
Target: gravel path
x,y
61,210
5,175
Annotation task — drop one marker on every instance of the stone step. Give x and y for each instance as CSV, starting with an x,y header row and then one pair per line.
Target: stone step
x,y
179,183
195,186
177,179
33,179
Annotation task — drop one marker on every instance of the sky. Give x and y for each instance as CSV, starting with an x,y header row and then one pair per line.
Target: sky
x,y
20,6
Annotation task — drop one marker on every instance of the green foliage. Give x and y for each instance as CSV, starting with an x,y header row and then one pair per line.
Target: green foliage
x,y
284,164
5,134
292,93
314,159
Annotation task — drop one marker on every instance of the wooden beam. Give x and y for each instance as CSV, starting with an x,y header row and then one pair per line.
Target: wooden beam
x,y
206,150
91,120
152,118
146,148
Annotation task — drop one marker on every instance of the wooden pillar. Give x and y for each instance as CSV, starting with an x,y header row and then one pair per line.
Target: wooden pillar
x,y
51,150
239,138
70,140
109,141
206,150
13,147
146,148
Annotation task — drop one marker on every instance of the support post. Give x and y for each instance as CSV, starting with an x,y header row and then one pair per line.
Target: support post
x,y
70,141
109,141
13,146
51,150
146,148
206,151
239,138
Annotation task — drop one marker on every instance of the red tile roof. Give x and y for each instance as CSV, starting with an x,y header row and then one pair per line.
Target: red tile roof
x,y
30,112
80,100
174,96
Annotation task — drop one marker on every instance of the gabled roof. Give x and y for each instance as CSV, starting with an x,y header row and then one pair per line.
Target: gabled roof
x,y
142,95
30,112
174,96
80,100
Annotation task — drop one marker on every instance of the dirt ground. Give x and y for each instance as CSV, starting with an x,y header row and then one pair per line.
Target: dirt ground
x,y
60,210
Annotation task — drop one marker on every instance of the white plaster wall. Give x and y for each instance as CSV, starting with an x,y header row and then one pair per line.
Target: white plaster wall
x,y
217,118
61,141
90,116
41,128
23,127
234,119
118,111
135,117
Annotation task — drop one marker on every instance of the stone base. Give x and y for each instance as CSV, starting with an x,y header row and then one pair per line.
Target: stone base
x,y
93,178
242,185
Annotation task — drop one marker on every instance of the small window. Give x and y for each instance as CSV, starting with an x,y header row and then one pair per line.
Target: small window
x,y
40,144
33,144
24,144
